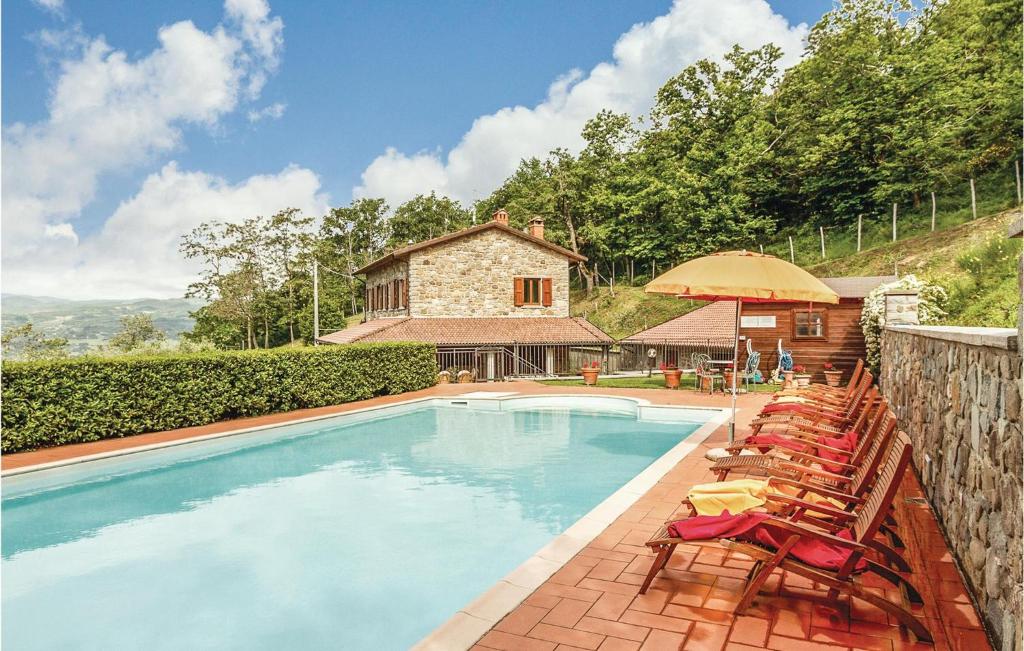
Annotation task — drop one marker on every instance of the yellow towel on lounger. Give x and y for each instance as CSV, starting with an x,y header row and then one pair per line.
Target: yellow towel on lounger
x,y
734,496
790,398
741,495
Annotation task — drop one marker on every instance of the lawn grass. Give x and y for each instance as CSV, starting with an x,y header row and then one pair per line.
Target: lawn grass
x,y
653,382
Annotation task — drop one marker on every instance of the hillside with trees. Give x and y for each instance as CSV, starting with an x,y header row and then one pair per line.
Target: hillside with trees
x,y
889,104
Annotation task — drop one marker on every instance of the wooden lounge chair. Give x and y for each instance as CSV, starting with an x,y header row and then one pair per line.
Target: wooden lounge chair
x,y
824,389
865,426
814,412
863,529
852,490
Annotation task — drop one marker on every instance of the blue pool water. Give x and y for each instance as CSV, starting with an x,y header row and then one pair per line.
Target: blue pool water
x,y
329,535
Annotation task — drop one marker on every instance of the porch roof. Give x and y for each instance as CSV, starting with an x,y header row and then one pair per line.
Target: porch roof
x,y
479,331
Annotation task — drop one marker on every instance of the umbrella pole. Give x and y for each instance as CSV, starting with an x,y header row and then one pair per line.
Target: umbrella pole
x,y
735,370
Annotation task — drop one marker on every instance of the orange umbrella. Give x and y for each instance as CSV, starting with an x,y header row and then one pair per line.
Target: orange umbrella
x,y
741,276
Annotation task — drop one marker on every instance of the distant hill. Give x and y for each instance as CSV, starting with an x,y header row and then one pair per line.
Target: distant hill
x,y
89,323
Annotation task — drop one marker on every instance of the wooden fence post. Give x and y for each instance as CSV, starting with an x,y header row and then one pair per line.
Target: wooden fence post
x,y
761,246
974,201
792,257
821,231
893,222
860,222
1016,168
933,211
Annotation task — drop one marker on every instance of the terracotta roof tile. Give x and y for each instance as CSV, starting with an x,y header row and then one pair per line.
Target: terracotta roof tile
x,y
714,323
856,286
474,331
360,330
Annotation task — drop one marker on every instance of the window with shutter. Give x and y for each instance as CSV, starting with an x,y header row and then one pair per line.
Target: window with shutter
x,y
518,297
546,294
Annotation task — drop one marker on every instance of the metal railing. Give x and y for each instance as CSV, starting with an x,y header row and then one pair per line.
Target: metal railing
x,y
636,356
524,360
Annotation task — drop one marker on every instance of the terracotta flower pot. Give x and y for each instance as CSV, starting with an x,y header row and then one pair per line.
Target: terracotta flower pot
x,y
788,379
728,380
590,375
832,378
672,376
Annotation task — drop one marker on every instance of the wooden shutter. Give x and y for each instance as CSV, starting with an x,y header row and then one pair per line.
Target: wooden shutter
x,y
405,293
367,306
519,292
546,292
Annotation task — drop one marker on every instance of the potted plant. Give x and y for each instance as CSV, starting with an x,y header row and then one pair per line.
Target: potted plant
x,y
672,376
832,374
590,373
802,377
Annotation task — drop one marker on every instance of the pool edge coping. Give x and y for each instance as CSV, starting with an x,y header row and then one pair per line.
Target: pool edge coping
x,y
471,622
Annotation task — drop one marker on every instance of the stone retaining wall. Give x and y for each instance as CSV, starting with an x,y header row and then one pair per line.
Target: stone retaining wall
x,y
957,393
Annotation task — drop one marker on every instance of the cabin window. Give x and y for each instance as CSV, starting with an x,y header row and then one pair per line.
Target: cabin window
x,y
809,324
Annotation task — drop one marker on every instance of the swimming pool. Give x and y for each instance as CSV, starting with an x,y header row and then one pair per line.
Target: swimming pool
x,y
362,531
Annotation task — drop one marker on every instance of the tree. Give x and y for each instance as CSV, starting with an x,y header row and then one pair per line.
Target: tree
x,y
424,217
25,342
137,332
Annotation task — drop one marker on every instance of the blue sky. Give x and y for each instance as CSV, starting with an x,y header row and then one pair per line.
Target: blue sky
x,y
339,84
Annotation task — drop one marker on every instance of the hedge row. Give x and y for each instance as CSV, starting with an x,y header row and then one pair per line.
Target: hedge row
x,y
50,403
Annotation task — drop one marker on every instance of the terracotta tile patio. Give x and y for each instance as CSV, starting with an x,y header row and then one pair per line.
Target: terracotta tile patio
x,y
592,602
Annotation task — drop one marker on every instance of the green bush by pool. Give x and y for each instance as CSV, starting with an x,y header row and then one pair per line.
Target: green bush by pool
x,y
49,403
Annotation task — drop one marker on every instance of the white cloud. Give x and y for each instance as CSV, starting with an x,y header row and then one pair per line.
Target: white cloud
x,y
55,6
273,112
136,252
110,112
642,59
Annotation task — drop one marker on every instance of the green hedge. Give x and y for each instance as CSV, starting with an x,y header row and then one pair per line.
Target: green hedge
x,y
57,402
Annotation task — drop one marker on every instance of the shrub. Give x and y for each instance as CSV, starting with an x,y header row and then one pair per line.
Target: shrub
x,y
85,399
930,300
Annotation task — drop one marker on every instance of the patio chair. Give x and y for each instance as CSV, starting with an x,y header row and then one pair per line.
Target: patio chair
x,y
704,369
750,371
773,544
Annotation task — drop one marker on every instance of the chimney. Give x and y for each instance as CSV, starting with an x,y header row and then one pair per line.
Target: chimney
x,y
536,227
500,216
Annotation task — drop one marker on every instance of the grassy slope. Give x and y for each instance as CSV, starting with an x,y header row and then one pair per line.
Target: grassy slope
x,y
973,260
629,310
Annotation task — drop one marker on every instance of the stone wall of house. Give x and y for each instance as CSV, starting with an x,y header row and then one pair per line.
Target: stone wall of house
x,y
957,393
473,276
385,276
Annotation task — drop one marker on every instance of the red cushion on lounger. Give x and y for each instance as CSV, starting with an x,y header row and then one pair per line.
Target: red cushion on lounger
x,y
749,527
846,442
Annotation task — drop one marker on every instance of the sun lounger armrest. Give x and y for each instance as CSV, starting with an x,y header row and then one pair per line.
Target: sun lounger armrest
x,y
819,490
810,506
814,472
795,527
812,458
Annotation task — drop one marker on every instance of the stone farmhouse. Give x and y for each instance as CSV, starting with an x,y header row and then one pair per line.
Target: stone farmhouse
x,y
495,301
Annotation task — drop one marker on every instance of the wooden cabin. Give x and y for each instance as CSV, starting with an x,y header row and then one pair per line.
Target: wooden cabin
x,y
815,333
